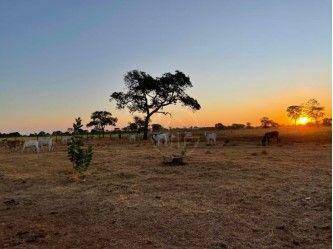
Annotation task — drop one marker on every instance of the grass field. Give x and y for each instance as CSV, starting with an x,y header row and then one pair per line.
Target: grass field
x,y
238,196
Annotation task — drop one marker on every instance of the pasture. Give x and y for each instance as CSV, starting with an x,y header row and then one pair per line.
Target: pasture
x,y
241,195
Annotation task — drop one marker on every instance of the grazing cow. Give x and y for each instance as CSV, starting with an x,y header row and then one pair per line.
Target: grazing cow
x,y
210,137
270,135
46,141
160,137
13,144
31,144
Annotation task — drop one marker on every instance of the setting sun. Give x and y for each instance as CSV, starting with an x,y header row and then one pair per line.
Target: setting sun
x,y
303,120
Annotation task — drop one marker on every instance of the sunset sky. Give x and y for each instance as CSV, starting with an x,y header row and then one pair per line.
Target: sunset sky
x,y
247,59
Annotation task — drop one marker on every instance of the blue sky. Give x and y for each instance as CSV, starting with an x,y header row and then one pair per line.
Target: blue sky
x,y
62,59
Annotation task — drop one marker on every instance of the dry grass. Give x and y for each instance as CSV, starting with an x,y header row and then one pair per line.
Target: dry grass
x,y
241,196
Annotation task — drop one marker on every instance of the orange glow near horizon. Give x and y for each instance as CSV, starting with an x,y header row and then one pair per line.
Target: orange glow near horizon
x,y
303,120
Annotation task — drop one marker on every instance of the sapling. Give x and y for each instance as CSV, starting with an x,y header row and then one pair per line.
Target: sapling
x,y
79,155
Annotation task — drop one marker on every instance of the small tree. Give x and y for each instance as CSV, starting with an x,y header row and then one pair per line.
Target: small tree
x,y
149,96
248,125
77,154
136,126
265,122
294,112
101,119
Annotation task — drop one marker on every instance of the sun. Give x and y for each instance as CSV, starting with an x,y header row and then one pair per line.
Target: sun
x,y
303,120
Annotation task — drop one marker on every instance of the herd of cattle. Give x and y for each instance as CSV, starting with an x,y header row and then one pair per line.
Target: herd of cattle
x,y
157,138
34,144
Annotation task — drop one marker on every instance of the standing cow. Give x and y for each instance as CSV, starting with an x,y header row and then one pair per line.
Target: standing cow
x,y
46,141
31,144
160,137
210,138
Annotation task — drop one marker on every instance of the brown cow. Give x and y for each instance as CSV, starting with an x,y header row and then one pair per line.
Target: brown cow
x,y
13,144
270,135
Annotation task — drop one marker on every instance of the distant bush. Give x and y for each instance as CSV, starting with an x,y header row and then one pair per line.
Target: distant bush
x,y
236,126
156,127
220,126
11,134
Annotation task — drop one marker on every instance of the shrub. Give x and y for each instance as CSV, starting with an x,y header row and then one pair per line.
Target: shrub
x,y
78,155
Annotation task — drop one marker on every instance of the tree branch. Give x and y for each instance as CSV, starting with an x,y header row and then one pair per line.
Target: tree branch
x,y
164,113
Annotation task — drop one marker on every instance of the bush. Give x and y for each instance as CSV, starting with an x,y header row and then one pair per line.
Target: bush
x,y
79,156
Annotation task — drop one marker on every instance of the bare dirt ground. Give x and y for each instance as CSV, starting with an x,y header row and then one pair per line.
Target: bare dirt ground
x,y
237,196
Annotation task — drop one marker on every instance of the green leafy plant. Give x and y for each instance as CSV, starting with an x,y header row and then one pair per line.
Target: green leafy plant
x,y
79,155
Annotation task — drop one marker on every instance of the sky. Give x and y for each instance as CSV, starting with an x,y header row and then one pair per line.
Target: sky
x,y
246,59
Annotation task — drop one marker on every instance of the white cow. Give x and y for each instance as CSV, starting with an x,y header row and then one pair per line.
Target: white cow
x,y
187,134
132,137
31,144
160,137
210,137
46,141
65,140
172,137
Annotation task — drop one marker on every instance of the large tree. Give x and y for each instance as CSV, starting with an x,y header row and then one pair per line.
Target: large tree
x,y
294,112
314,110
101,119
148,96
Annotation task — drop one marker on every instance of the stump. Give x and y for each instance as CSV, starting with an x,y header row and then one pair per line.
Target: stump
x,y
173,160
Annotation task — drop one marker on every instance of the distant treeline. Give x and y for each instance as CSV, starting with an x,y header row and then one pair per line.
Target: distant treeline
x,y
154,128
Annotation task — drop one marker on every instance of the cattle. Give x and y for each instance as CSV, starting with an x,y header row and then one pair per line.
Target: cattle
x,y
188,135
172,137
160,137
65,140
210,137
31,144
270,135
12,144
132,137
46,141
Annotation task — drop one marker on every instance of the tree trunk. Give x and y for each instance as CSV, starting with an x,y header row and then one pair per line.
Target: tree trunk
x,y
145,129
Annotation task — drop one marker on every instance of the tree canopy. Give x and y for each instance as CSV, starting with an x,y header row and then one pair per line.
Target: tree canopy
x,y
294,112
101,119
311,109
148,96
